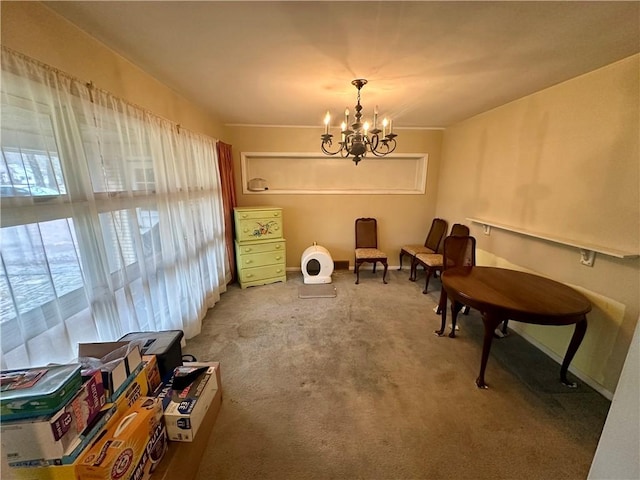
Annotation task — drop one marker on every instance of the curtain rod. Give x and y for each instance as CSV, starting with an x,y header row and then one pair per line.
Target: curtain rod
x,y
91,88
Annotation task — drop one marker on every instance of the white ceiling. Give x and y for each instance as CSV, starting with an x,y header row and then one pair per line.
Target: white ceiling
x,y
429,64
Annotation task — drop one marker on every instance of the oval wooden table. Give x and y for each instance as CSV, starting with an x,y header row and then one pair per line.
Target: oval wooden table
x,y
501,294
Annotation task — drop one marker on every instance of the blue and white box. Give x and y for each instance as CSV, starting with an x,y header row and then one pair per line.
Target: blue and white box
x,y
185,409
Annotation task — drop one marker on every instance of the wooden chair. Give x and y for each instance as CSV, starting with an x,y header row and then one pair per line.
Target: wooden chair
x,y
431,243
433,262
459,251
367,247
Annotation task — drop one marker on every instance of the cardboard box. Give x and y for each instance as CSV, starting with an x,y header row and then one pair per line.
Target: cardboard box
x,y
137,386
182,459
119,359
153,372
153,454
51,437
184,410
58,472
34,392
122,444
53,470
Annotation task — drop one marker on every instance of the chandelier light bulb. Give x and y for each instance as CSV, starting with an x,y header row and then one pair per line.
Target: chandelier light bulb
x,y
327,120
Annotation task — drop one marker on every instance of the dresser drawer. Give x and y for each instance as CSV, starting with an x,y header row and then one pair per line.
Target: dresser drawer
x,y
253,248
262,275
258,224
258,259
248,213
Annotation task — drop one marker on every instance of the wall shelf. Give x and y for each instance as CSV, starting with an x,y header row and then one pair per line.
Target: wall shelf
x,y
314,173
587,250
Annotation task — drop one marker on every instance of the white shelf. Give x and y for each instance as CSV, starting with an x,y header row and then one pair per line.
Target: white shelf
x,y
587,250
317,174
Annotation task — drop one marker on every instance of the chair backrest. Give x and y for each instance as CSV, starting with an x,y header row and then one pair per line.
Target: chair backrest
x,y
436,233
366,233
459,230
459,251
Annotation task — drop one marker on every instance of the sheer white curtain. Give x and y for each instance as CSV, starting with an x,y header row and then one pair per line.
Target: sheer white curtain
x,y
111,218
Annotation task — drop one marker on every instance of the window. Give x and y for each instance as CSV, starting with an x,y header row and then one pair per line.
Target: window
x,y
110,220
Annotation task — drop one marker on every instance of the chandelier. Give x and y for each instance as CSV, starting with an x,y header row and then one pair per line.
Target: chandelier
x,y
359,139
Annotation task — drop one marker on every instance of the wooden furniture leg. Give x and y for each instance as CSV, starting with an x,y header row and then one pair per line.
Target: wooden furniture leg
x,y
491,322
442,310
455,309
576,340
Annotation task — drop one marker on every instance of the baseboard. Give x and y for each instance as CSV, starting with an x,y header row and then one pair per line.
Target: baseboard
x,y
364,267
577,372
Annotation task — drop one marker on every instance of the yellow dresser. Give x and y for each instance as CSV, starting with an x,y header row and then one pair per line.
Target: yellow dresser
x,y
260,249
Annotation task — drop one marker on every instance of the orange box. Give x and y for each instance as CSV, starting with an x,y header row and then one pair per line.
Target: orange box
x,y
138,387
153,372
122,445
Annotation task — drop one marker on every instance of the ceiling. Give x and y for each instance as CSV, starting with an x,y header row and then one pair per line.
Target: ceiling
x,y
429,64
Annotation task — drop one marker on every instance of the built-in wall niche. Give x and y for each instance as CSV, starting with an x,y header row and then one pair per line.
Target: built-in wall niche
x,y
309,173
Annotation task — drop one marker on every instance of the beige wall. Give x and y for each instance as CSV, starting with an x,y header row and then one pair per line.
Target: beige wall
x,y
34,30
564,161
329,219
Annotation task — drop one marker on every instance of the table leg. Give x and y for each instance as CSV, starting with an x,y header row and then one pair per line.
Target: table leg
x,y
491,322
576,340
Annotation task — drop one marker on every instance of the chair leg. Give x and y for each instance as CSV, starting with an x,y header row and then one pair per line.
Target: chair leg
x,y
442,310
455,309
426,283
414,268
374,267
384,275
357,272
400,260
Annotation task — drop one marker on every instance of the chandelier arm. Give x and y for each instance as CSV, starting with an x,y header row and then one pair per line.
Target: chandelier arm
x,y
393,145
378,153
373,142
326,145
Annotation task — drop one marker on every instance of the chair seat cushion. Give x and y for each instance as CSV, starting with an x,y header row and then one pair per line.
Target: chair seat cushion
x,y
413,250
370,254
430,259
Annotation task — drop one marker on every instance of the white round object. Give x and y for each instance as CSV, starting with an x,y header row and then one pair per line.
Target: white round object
x,y
316,265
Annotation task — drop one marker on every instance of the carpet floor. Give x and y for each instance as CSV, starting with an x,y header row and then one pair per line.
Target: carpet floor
x,y
358,387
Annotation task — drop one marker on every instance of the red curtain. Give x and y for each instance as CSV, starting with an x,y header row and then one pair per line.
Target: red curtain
x,y
225,162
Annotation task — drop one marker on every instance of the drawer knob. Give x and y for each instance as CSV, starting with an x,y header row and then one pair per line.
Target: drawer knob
x,y
276,214
278,257
247,249
249,275
244,215
278,247
248,261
